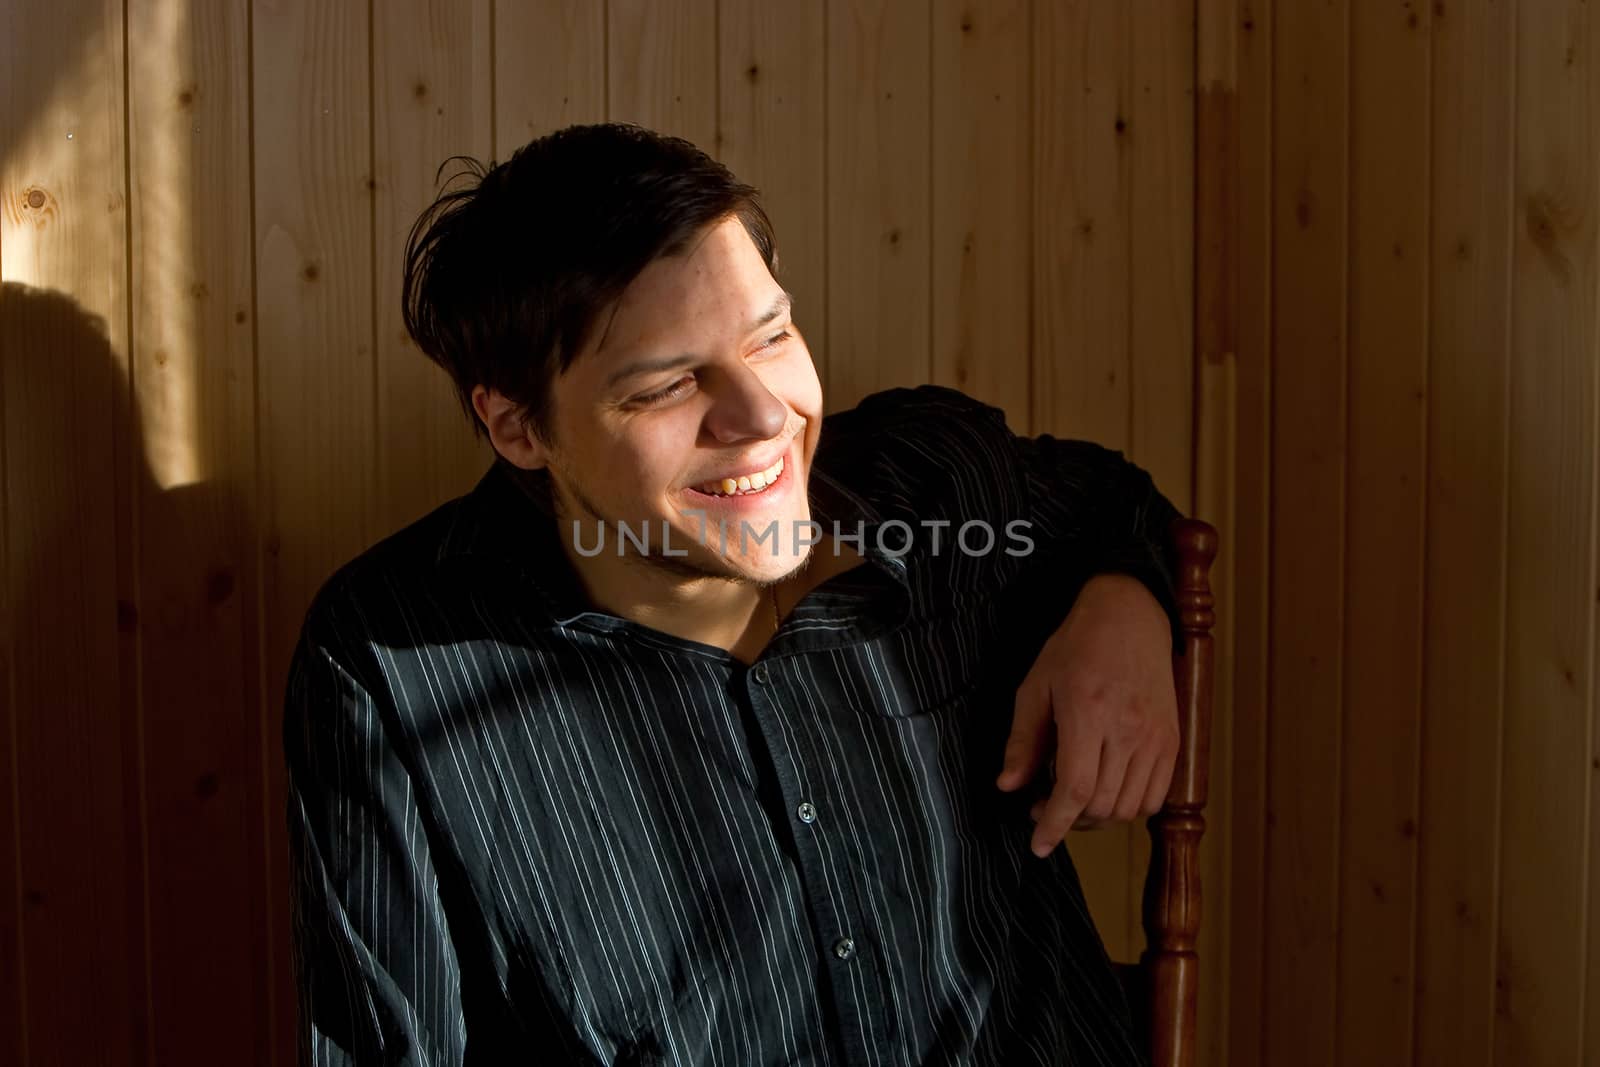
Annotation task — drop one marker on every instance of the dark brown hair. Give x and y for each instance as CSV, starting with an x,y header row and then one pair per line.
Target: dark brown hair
x,y
509,271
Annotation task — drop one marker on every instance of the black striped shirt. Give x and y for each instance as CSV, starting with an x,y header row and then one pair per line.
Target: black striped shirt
x,y
527,831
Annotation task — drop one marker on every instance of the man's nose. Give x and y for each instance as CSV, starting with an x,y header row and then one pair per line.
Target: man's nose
x,y
745,409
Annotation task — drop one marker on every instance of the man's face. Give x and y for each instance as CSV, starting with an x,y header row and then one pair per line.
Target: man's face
x,y
683,393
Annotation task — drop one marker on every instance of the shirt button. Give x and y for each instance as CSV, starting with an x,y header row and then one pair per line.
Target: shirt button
x,y
844,948
760,674
807,812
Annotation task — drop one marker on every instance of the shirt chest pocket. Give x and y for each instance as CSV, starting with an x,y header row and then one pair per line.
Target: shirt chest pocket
x,y
931,665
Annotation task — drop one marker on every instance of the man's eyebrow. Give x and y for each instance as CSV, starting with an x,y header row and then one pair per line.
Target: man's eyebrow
x,y
784,302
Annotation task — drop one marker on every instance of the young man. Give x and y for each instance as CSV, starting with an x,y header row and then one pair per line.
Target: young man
x,y
677,740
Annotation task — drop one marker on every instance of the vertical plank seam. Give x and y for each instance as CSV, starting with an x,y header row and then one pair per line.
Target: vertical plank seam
x,y
15,768
605,59
129,468
1419,764
716,81
827,307
1269,359
1505,509
1342,674
1035,137
1030,209
1585,924
380,461
494,86
265,704
1124,100
927,273
828,147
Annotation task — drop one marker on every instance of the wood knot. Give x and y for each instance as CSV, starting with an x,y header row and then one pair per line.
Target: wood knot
x,y
966,22
219,584
199,291
127,616
1122,124
311,272
894,236
1303,204
240,315
752,73
205,786
1544,227
1408,828
420,90
187,94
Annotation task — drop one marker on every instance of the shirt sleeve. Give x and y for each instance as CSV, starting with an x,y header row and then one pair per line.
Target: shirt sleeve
x,y
1089,504
377,975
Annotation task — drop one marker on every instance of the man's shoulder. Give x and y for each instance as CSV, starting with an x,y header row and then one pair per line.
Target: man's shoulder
x,y
919,409
927,449
392,570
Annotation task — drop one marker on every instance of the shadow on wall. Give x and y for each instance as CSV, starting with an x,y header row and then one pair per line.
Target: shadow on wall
x,y
134,700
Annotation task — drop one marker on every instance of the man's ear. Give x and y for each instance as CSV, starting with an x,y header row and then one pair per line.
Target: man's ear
x,y
517,443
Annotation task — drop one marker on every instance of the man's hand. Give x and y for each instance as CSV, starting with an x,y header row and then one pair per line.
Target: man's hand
x,y
1100,699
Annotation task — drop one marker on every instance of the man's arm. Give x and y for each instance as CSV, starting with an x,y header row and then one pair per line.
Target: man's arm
x,y
1099,701
377,975
1103,513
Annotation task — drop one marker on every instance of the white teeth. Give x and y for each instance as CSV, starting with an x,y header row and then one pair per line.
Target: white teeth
x,y
749,483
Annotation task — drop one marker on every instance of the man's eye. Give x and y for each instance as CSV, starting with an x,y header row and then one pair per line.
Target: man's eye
x,y
671,391
676,388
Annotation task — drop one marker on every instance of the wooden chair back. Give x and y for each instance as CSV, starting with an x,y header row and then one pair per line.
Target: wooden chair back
x,y
1162,987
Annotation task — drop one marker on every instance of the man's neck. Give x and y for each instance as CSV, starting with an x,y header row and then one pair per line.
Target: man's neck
x,y
738,617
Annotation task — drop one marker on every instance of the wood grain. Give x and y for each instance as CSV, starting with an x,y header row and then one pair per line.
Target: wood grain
x,y
1384,531
1248,543
1159,129
879,210
772,113
1309,442
661,67
316,383
193,357
1217,226
431,101
1469,322
1081,279
981,248
1541,958
549,69
71,456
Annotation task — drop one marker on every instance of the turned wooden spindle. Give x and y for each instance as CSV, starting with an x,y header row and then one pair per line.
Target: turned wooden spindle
x,y
1162,986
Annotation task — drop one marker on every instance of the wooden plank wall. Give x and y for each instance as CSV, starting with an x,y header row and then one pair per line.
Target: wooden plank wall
x,y
209,402
1398,424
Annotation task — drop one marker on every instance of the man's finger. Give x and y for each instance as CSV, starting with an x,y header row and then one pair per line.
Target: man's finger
x,y
1155,795
1108,784
1135,785
1030,727
1077,771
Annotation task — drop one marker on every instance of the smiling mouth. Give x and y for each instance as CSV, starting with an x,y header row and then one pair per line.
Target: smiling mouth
x,y
744,485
